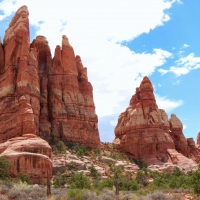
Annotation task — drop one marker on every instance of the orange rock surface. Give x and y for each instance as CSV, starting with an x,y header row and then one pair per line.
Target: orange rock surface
x,y
41,95
145,132
30,155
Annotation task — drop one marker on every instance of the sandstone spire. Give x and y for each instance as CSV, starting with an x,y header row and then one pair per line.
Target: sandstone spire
x,y
144,131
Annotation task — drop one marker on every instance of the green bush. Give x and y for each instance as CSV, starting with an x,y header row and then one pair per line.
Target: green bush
x,y
143,176
195,180
173,180
107,183
5,166
75,194
61,147
82,150
59,180
24,178
94,172
79,181
72,166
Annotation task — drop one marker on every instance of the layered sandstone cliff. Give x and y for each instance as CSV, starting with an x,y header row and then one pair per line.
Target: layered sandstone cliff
x,y
43,96
145,131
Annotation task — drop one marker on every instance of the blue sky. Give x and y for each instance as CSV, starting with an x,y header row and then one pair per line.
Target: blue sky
x,y
120,41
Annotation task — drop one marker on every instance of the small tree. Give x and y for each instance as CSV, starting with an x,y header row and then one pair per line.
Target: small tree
x,y
59,180
94,172
61,147
142,177
5,166
117,176
79,181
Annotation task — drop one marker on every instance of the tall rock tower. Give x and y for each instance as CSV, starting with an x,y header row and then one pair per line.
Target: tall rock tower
x,y
41,96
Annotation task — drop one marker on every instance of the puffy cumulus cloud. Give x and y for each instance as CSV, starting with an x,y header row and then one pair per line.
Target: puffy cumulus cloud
x,y
183,65
167,104
96,29
114,80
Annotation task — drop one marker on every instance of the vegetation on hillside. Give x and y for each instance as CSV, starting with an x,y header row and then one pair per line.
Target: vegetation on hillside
x,y
144,185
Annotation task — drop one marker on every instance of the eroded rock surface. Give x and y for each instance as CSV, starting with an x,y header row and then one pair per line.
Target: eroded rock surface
x,y
144,131
30,155
41,95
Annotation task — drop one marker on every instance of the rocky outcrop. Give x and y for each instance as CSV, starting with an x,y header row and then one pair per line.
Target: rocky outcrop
x,y
41,95
20,103
145,132
30,155
67,108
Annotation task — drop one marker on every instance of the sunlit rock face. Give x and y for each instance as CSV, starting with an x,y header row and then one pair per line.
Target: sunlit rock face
x,y
144,131
43,96
67,109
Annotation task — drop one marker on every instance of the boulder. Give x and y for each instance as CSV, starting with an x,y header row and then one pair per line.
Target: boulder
x,y
30,155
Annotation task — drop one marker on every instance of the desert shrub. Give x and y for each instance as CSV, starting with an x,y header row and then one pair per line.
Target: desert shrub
x,y
5,189
79,181
158,195
59,180
82,150
5,165
97,151
88,195
37,192
75,194
94,172
129,185
173,180
140,163
195,180
143,176
59,193
107,183
59,148
21,186
16,193
72,166
107,195
24,178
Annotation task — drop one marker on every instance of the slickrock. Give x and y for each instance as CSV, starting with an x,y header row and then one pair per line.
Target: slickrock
x,y
144,131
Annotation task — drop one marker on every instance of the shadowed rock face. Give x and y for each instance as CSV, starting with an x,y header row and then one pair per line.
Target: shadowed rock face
x,y
51,98
145,132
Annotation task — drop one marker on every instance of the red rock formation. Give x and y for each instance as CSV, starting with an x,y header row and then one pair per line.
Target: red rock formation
x,y
30,155
70,110
144,131
181,143
42,96
19,83
20,103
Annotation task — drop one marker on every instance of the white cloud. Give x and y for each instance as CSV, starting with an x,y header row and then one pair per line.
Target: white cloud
x,y
176,82
159,85
183,65
184,126
167,104
186,45
95,29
